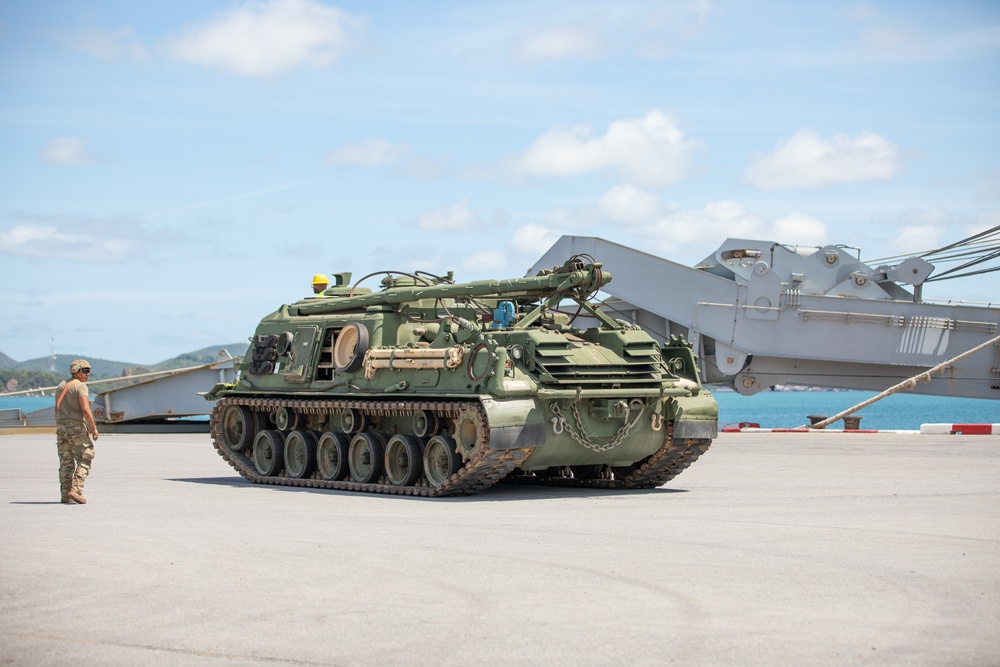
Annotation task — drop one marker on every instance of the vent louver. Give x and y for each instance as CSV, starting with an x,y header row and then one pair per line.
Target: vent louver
x,y
591,366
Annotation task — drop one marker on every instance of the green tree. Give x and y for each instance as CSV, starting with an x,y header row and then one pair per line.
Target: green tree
x,y
12,380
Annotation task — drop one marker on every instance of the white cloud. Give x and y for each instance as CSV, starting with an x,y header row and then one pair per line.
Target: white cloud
x,y
375,153
649,151
534,238
263,39
485,261
799,229
560,43
459,217
624,203
644,214
806,160
919,231
95,241
987,219
561,32
642,220
717,220
120,44
67,151
922,229
917,238
372,153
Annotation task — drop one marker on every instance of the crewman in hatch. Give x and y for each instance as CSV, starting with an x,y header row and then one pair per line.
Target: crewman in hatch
x,y
320,283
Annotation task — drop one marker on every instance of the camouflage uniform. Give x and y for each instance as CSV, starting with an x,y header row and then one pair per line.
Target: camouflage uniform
x,y
76,451
73,443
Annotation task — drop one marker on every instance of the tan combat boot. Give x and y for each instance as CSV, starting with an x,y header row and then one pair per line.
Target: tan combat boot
x,y
66,500
77,498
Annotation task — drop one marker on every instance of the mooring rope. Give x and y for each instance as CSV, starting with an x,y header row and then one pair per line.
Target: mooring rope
x,y
909,383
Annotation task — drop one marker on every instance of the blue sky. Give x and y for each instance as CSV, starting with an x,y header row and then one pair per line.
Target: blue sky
x,y
171,172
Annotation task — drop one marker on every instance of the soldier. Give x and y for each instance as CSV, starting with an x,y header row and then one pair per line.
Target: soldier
x,y
73,422
320,283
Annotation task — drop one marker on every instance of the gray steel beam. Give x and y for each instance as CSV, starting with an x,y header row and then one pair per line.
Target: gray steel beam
x,y
175,395
756,328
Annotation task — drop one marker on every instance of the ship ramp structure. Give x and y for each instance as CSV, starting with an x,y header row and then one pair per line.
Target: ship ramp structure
x,y
165,401
761,313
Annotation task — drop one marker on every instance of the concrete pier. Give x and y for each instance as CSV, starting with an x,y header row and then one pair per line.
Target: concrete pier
x,y
774,549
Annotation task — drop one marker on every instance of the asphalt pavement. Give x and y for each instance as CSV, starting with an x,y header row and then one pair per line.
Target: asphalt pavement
x,y
773,549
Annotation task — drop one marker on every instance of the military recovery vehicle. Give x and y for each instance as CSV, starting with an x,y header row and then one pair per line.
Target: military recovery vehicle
x,y
434,388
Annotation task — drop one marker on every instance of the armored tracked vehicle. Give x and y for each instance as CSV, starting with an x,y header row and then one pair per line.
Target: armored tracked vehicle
x,y
432,388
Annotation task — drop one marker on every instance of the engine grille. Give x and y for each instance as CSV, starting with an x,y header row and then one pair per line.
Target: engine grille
x,y
592,366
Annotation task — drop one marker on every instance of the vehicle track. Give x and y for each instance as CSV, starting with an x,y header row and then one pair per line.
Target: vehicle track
x,y
484,467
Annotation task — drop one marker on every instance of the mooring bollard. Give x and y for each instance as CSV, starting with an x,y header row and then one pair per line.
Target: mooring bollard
x,y
851,422
815,419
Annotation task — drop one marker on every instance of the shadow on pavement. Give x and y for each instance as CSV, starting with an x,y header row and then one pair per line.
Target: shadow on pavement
x,y
218,481
499,492
39,502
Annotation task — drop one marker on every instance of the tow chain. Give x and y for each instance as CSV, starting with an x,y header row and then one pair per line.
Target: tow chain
x,y
581,436
673,458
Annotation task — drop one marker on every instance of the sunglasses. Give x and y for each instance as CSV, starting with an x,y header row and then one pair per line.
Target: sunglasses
x,y
85,370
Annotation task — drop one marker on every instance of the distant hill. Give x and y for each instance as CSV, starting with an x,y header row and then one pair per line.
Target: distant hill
x,y
206,355
104,368
11,380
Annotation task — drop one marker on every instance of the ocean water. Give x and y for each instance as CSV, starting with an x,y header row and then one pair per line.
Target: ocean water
x,y
27,403
787,409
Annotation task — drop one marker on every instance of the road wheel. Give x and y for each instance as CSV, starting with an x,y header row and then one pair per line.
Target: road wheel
x,y
403,463
332,456
238,427
300,453
267,452
365,457
441,461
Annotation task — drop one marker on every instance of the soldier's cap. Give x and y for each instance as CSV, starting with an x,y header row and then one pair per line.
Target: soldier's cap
x,y
78,366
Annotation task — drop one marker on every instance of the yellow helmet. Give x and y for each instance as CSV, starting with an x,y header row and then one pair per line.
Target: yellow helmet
x,y
320,279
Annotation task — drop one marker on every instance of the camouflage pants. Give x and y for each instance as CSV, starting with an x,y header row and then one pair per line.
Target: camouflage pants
x,y
76,451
